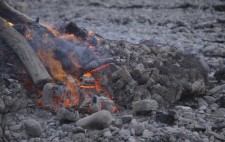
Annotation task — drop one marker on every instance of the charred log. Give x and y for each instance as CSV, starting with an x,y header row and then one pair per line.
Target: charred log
x,y
24,51
72,28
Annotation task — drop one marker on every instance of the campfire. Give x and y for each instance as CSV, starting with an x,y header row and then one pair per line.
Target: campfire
x,y
68,65
65,83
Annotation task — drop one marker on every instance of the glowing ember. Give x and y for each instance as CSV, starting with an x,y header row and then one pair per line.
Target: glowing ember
x,y
75,88
55,66
55,32
11,24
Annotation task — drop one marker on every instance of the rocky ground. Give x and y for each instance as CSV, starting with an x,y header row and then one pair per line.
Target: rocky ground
x,y
168,31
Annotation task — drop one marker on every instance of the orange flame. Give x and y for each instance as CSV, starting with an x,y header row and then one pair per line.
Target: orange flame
x,y
55,66
11,24
72,84
54,31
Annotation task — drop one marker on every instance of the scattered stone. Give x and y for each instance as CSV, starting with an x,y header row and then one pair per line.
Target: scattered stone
x,y
138,129
127,118
202,102
78,136
107,134
220,112
221,102
33,128
216,90
2,106
98,120
124,134
144,106
67,115
167,117
147,134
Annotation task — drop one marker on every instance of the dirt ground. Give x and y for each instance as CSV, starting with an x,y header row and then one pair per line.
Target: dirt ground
x,y
192,23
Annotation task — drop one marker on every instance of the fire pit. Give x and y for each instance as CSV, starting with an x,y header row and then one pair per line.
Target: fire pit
x,y
66,83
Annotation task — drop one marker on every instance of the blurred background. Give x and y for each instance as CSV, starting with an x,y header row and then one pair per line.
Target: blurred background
x,y
188,23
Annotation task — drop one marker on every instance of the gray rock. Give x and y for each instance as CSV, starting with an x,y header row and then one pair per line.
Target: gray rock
x,y
125,134
202,102
147,134
216,90
131,139
33,127
144,105
98,120
220,112
107,134
209,99
78,136
139,128
127,118
65,114
2,106
138,71
1,133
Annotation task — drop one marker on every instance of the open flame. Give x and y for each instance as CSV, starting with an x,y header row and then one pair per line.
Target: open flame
x,y
87,83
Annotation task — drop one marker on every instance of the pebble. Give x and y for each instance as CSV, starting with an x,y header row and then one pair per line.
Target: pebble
x,y
138,128
33,127
144,105
147,134
107,134
124,134
78,136
2,106
98,120
127,118
65,114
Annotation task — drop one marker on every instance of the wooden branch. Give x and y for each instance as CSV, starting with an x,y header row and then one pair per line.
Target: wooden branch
x,y
24,51
12,15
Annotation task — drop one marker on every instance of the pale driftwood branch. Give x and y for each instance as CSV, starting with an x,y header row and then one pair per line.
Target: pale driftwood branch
x,y
24,51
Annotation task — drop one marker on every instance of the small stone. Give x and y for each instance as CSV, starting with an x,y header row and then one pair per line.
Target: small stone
x,y
167,117
221,102
131,139
2,106
220,112
127,118
209,99
78,136
147,134
144,105
1,132
203,108
15,127
65,114
138,71
77,130
98,120
202,102
172,139
184,108
125,134
216,90
32,127
139,128
107,134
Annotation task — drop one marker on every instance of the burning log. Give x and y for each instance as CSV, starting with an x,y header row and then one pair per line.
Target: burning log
x,y
72,28
70,55
24,51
